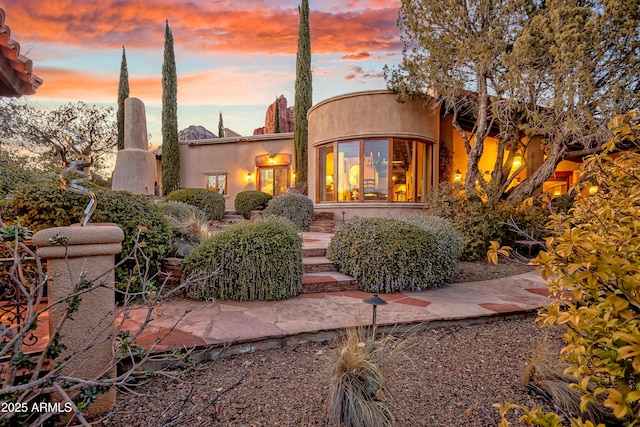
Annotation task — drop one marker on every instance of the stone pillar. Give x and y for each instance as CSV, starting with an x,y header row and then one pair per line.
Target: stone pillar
x,y
135,169
88,254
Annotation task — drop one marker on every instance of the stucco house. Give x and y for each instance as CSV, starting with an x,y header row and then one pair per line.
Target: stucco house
x,y
368,155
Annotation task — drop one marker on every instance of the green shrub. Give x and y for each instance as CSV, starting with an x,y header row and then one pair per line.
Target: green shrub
x,y
260,260
251,200
386,255
46,204
448,242
297,208
210,202
12,174
477,222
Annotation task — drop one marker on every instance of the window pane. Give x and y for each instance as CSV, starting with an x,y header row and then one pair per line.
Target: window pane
x,y
326,174
348,171
422,171
266,180
376,169
402,171
280,181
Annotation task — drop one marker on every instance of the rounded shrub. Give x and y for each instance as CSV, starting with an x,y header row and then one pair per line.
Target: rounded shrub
x,y
386,255
297,208
209,201
260,260
46,204
448,243
251,200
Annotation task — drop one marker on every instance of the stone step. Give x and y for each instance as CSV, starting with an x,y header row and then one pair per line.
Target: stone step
x,y
318,264
323,225
232,219
323,215
333,282
314,252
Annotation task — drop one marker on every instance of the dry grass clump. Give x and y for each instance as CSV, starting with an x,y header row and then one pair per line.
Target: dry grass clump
x,y
559,388
359,374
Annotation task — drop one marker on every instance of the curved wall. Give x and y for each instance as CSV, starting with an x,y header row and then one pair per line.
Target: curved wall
x,y
368,115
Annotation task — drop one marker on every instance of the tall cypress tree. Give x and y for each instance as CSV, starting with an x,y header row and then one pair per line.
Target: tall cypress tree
x,y
220,127
170,146
276,119
123,93
303,98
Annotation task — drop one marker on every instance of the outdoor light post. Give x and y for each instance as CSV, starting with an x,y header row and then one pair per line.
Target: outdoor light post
x,y
375,301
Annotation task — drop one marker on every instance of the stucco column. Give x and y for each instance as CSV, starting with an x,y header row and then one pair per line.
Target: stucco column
x,y
87,254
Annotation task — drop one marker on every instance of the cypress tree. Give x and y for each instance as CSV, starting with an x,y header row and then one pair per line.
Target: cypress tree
x,y
220,127
276,123
123,93
170,146
303,98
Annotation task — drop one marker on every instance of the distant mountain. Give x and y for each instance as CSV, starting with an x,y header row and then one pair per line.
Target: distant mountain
x,y
194,133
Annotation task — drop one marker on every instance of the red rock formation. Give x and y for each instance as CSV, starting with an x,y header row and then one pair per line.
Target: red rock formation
x,y
286,118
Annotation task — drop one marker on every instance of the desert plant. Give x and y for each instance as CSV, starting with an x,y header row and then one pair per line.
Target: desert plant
x,y
189,226
251,200
260,260
298,208
46,204
448,242
386,255
359,375
210,202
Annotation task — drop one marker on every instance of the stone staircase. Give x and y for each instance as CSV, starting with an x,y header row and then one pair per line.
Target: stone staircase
x,y
323,222
320,274
231,218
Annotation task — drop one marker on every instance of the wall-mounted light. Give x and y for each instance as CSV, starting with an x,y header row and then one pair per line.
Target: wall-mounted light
x,y
517,162
457,177
272,160
249,176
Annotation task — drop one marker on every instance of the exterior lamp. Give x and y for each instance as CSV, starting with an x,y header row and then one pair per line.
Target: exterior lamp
x,y
517,162
457,177
593,189
375,301
249,176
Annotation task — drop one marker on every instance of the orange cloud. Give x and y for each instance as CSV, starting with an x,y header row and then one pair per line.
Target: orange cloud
x,y
217,26
357,56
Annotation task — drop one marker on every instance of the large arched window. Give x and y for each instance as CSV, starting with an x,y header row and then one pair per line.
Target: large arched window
x,y
374,170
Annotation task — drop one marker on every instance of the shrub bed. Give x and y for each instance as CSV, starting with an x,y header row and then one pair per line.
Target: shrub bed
x,y
387,255
251,200
297,208
189,226
210,202
260,260
46,204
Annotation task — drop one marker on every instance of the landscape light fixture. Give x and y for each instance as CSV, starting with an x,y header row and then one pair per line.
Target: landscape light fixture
x,y
457,177
375,301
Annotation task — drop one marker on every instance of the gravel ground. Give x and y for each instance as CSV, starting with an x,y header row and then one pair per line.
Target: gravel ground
x,y
443,377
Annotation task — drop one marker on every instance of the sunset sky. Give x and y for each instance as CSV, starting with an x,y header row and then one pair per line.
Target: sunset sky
x,y
233,56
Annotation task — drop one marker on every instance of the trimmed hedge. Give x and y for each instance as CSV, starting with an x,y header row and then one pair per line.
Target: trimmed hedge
x,y
260,260
209,201
46,204
251,200
297,208
448,242
387,255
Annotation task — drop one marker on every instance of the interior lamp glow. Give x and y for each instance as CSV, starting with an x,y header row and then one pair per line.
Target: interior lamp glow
x,y
517,162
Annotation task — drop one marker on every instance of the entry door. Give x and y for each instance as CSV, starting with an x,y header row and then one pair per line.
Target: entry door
x,y
274,180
